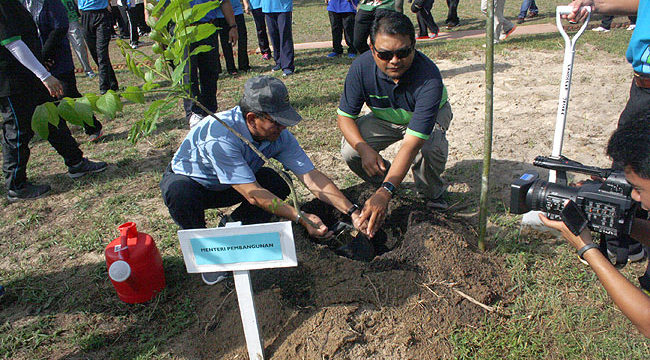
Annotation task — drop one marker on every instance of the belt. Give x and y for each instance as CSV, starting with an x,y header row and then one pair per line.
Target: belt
x,y
642,80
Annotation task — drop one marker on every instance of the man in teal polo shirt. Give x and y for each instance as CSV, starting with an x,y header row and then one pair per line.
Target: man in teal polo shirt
x,y
404,90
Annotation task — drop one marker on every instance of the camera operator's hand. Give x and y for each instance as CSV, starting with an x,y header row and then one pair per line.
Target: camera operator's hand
x,y
578,242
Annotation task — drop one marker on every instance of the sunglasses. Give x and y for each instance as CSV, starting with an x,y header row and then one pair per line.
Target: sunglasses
x,y
400,53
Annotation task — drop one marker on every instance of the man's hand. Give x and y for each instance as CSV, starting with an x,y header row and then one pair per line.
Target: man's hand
x,y
578,13
372,163
374,211
233,36
359,224
54,86
320,231
577,242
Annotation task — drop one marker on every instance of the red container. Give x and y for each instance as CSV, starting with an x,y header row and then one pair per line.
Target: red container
x,y
134,265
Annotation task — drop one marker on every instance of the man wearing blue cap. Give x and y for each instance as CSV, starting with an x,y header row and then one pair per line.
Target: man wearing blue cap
x,y
213,168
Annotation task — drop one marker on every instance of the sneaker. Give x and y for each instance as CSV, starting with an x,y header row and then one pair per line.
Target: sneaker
x,y
452,24
194,119
333,54
507,33
135,45
600,29
422,37
352,55
287,72
532,15
28,192
266,56
86,167
211,278
233,72
276,67
520,20
96,136
91,74
433,35
631,27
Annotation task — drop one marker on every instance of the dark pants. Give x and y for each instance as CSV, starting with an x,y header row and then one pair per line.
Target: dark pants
x,y
187,200
342,24
425,19
69,82
242,49
97,27
116,18
279,26
637,107
452,14
201,74
129,15
260,28
362,23
17,131
607,20
138,18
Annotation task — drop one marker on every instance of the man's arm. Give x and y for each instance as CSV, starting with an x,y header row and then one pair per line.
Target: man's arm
x,y
609,7
262,198
324,189
25,56
374,210
634,304
229,15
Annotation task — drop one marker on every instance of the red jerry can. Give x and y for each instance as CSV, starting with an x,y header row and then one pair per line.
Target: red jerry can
x,y
134,265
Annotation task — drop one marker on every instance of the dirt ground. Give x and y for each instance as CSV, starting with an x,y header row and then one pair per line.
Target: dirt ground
x,y
404,303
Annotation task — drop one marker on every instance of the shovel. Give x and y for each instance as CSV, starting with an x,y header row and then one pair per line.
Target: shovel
x,y
531,218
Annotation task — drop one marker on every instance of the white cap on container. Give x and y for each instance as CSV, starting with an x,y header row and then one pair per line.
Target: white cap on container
x,y
119,271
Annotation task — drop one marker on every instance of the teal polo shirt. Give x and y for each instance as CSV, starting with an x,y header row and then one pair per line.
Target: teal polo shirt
x,y
414,101
216,158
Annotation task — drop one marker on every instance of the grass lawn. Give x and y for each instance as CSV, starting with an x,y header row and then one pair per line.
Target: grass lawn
x,y
60,303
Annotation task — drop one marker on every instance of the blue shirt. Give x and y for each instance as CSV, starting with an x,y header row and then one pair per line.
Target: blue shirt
x,y
255,4
638,51
237,9
92,4
415,100
216,158
342,6
277,6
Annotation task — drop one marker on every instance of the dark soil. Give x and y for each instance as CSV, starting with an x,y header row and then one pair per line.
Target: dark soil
x,y
400,305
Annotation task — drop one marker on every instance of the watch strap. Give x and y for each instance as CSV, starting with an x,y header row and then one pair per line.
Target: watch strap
x,y
584,249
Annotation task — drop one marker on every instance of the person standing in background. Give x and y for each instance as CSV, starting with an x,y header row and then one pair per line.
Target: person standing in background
x,y
242,47
76,37
279,17
254,7
341,14
363,21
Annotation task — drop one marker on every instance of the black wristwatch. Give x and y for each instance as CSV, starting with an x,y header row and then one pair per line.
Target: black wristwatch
x,y
388,186
352,209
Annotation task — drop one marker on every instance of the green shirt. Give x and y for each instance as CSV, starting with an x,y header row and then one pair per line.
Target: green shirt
x,y
71,7
370,5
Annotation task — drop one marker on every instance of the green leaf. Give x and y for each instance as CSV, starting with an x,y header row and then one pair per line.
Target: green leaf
x,y
177,75
133,94
159,65
85,111
203,31
40,119
53,114
107,104
150,86
92,100
149,76
201,49
198,11
66,111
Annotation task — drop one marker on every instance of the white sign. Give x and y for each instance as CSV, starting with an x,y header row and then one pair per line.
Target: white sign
x,y
247,247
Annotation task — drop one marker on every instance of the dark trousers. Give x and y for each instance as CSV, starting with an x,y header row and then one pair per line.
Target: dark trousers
x,y
129,15
138,18
607,20
242,49
17,111
187,200
97,27
279,26
260,28
201,74
69,82
425,19
362,23
342,24
637,107
116,18
452,14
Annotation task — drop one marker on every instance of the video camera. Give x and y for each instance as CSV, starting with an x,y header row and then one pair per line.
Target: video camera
x,y
607,205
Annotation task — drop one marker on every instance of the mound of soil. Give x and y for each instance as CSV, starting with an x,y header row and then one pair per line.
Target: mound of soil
x,y
402,304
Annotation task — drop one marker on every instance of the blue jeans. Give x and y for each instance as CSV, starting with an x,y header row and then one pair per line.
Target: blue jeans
x,y
527,5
